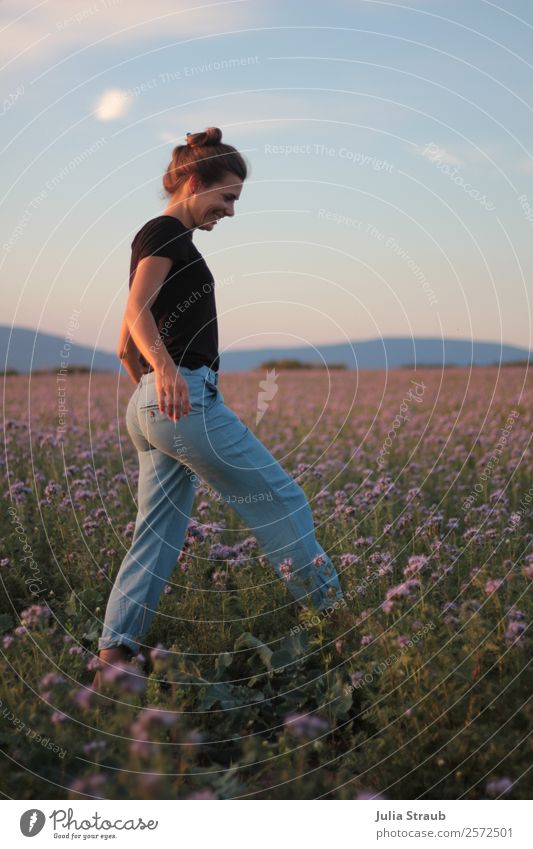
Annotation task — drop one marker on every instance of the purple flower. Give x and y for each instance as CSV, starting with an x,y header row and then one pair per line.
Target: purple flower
x,y
35,614
159,655
58,716
8,639
90,527
403,589
514,632
83,697
90,785
498,786
399,591
18,492
51,679
305,724
492,585
51,490
128,530
285,569
206,793
93,746
124,677
218,578
155,716
369,794
5,561
415,564
84,494
142,726
348,560
194,738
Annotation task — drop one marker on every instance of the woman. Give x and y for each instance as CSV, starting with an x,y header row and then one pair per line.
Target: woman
x,y
177,418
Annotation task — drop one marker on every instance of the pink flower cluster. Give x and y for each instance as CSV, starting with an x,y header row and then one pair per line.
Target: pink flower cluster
x,y
141,728
399,591
306,724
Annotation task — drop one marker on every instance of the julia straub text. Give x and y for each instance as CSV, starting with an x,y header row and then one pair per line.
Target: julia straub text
x,y
409,815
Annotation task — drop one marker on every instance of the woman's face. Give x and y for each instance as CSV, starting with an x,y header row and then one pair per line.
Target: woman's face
x,y
211,203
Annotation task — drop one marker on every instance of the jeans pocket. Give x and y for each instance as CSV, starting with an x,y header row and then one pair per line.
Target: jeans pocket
x,y
147,398
213,390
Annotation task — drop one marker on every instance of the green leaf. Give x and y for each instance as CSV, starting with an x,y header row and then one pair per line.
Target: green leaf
x,y
70,607
340,697
90,598
6,622
296,644
281,658
229,696
93,630
248,641
222,662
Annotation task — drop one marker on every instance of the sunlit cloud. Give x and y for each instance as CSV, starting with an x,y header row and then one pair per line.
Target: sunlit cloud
x,y
433,151
112,104
38,32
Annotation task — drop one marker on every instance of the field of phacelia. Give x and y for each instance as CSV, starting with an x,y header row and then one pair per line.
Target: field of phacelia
x,y
421,486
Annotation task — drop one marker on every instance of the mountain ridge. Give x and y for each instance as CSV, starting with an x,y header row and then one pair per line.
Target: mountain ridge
x,y
24,349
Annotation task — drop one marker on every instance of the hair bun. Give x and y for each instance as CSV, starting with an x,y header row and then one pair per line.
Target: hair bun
x,y
213,135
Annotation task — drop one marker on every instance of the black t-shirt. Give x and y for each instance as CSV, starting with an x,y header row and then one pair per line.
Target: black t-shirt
x,y
184,309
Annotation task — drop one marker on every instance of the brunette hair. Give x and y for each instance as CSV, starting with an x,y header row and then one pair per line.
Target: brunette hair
x,y
203,154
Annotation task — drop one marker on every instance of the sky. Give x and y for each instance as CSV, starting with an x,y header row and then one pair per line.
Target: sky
x,y
390,150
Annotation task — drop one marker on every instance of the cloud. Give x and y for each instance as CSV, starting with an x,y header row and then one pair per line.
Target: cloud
x,y
36,32
380,6
433,151
112,104
278,117
240,127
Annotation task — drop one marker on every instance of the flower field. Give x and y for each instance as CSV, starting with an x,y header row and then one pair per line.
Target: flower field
x,y
421,486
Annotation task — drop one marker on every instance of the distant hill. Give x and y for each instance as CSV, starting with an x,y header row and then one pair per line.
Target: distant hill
x,y
24,350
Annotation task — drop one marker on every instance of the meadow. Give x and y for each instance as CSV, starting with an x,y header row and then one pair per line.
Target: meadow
x,y
421,486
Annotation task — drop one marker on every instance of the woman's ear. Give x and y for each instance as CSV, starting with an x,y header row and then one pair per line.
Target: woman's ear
x,y
194,184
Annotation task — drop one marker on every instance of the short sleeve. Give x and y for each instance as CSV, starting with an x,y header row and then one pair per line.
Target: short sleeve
x,y
164,237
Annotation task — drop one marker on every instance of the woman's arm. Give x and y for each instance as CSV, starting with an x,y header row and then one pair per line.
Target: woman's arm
x,y
127,352
142,330
132,364
172,389
126,344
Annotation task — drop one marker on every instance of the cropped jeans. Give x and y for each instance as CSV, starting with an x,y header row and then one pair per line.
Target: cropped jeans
x,y
209,443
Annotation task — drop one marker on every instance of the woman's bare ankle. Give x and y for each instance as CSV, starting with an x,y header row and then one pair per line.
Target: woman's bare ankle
x,y
108,657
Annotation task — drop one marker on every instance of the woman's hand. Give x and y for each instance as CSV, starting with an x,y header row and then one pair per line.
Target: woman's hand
x,y
172,392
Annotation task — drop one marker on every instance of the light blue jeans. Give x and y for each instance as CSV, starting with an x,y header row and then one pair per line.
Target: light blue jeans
x,y
210,443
